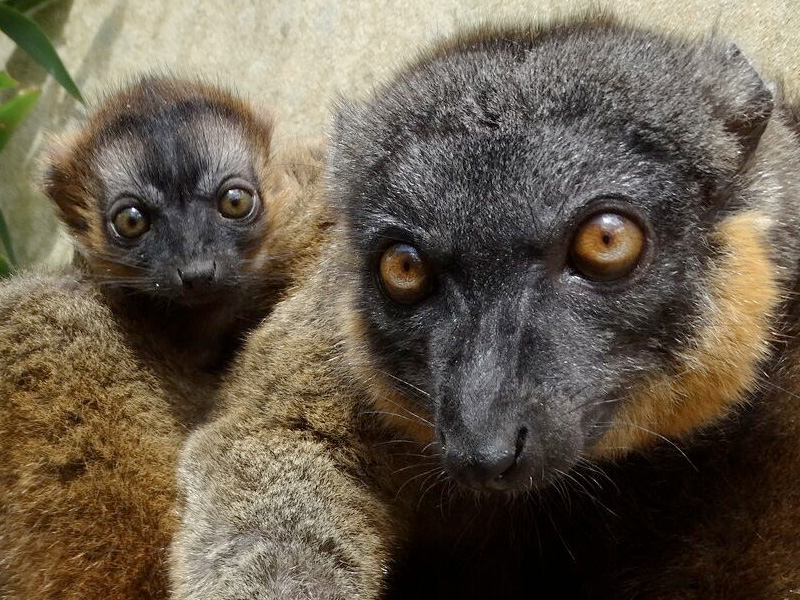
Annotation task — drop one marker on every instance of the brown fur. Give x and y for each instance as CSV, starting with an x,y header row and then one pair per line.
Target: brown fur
x,y
98,390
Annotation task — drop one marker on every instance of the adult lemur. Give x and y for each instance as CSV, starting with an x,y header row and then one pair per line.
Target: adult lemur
x,y
188,230
553,352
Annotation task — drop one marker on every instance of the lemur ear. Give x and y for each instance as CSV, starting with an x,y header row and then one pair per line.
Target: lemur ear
x,y
346,120
745,102
61,174
348,154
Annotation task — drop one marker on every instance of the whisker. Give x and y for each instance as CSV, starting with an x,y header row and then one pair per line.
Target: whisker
x,y
390,414
426,473
409,411
404,382
436,479
661,437
399,441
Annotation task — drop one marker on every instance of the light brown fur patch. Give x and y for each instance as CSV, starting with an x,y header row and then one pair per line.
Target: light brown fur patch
x,y
715,374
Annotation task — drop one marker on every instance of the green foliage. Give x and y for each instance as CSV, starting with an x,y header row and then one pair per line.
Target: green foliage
x,y
13,111
28,6
5,238
6,81
27,35
15,23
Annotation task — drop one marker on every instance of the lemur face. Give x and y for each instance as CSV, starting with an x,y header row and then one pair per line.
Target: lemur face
x,y
181,200
535,219
163,191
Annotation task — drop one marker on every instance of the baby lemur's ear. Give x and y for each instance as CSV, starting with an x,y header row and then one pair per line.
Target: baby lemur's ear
x,y
63,178
741,99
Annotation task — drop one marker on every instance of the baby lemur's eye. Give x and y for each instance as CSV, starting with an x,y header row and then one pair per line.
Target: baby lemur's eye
x,y
236,203
130,222
606,246
405,276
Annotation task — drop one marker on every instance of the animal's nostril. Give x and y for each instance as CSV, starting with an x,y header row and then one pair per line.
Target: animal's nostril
x,y
497,463
510,462
519,445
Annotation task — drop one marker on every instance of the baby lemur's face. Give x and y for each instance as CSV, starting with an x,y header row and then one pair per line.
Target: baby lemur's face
x,y
537,218
163,190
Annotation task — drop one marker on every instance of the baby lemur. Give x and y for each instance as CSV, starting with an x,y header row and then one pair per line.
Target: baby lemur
x,y
188,229
551,354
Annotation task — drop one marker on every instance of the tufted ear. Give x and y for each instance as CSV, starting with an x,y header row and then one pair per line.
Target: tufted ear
x,y
348,120
62,172
348,157
746,103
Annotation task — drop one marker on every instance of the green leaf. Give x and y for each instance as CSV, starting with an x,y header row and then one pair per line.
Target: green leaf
x,y
28,6
5,268
30,38
13,111
7,81
6,239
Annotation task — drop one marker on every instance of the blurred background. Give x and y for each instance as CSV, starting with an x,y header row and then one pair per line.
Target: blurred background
x,y
295,57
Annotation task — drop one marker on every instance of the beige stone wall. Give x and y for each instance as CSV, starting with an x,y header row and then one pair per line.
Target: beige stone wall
x,y
297,56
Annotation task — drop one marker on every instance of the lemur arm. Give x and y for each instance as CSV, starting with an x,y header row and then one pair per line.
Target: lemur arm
x,y
274,513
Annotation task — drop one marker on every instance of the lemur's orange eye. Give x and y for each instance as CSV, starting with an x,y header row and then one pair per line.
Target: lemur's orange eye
x,y
236,203
607,246
405,276
130,222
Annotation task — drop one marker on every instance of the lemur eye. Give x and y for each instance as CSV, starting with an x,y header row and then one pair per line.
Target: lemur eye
x,y
236,203
607,246
130,222
405,276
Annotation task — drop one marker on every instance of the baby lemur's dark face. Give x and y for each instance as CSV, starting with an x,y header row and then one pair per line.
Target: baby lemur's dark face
x,y
166,192
537,218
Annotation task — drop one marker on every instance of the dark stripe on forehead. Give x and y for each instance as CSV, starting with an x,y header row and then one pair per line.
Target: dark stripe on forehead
x,y
173,162
165,116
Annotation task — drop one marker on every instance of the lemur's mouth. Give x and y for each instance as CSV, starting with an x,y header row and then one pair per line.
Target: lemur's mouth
x,y
212,294
203,297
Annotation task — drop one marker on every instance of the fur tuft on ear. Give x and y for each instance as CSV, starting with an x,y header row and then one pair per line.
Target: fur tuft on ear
x,y
347,150
743,101
347,119
63,180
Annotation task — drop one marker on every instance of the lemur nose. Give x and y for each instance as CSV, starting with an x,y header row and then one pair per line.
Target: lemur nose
x,y
491,465
198,275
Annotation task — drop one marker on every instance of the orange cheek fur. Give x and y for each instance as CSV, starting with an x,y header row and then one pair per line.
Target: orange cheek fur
x,y
716,372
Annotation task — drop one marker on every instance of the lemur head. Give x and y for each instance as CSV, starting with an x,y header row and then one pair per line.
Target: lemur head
x,y
560,242
163,190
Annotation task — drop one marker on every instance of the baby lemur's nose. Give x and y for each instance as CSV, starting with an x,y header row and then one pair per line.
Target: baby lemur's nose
x,y
198,275
491,465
